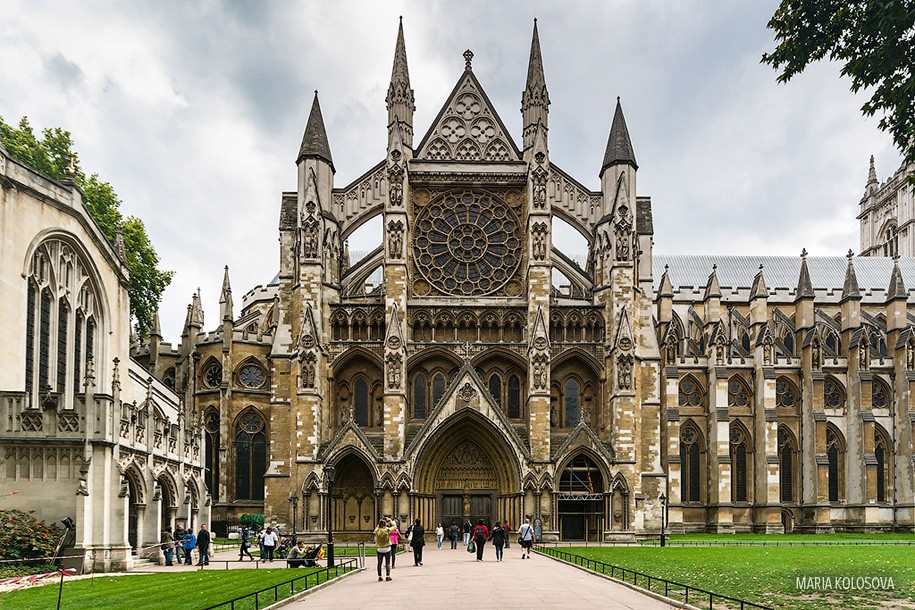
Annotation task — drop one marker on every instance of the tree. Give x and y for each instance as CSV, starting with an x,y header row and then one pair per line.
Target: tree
x,y
875,42
51,155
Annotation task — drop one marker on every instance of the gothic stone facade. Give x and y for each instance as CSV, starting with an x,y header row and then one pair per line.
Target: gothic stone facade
x,y
85,431
464,384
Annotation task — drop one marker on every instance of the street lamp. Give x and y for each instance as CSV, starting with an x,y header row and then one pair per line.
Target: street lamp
x,y
663,500
294,500
329,472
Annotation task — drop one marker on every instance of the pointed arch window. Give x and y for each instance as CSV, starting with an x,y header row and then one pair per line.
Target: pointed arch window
x,y
835,455
883,452
514,396
740,444
571,403
880,394
60,329
833,393
438,388
419,396
495,388
891,241
361,402
787,458
211,452
691,457
738,392
690,392
786,394
250,456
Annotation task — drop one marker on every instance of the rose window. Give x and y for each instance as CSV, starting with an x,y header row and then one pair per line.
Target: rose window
x,y
467,243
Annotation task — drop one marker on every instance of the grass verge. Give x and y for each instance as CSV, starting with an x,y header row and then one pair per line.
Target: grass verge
x,y
768,575
197,589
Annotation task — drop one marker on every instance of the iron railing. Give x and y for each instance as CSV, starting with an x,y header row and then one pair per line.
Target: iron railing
x,y
689,593
264,595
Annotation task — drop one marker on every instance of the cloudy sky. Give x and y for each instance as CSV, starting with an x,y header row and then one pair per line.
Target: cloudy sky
x,y
194,111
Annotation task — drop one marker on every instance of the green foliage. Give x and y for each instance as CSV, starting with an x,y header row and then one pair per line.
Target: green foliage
x,y
874,40
51,155
22,536
253,519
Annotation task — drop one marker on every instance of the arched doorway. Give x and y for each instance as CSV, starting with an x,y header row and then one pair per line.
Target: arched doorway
x,y
168,504
134,505
353,497
581,503
467,471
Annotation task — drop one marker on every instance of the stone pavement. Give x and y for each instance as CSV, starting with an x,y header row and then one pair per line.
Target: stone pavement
x,y
454,578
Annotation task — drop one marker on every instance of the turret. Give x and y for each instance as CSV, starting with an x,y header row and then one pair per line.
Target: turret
x,y
225,311
851,297
712,297
400,100
803,299
535,100
896,297
759,297
619,167
315,164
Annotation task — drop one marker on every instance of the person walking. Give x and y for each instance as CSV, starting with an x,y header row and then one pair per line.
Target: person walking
x,y
418,541
439,535
526,534
203,546
168,547
480,535
467,528
382,535
245,545
190,541
396,537
270,542
498,537
453,532
508,533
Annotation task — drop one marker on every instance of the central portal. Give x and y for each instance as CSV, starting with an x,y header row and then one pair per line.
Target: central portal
x,y
466,471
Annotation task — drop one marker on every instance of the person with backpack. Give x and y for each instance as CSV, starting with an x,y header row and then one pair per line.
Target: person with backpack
x,y
498,537
480,534
396,537
467,527
526,538
190,541
245,545
382,536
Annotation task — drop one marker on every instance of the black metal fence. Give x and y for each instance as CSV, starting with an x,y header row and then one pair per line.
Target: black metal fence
x,y
271,595
667,588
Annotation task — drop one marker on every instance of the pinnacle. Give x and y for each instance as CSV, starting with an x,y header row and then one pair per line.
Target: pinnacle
x,y
314,142
400,72
804,285
897,289
535,77
850,286
619,146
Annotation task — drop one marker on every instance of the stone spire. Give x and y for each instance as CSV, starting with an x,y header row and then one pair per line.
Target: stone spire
x,y
156,330
759,289
850,286
535,100
804,285
225,298
872,173
712,287
619,146
314,142
195,311
897,288
400,99
666,289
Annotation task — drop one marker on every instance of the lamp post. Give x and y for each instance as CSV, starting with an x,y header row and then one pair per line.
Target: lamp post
x,y
294,500
329,472
663,500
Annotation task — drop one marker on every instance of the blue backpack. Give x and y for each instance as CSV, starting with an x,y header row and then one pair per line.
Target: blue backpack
x,y
190,541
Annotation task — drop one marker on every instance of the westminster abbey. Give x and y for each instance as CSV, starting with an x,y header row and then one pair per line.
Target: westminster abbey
x,y
448,374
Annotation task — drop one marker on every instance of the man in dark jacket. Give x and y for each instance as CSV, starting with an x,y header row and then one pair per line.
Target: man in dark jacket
x,y
453,533
203,546
180,533
417,542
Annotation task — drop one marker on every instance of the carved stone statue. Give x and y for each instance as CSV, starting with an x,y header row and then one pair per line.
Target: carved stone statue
x,y
395,181
395,237
623,237
624,372
308,371
394,372
864,359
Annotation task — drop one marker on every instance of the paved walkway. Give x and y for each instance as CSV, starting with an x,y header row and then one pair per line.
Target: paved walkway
x,y
454,578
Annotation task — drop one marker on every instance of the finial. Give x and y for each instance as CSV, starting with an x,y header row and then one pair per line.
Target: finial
x,y
714,266
401,18
666,267
468,59
760,267
850,254
804,253
617,99
70,170
895,257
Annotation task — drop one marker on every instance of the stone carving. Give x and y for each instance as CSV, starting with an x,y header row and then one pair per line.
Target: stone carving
x,y
864,355
910,355
538,241
539,177
623,239
32,421
541,371
554,416
393,370
68,421
624,372
395,238
310,239
467,392
309,362
395,182
816,356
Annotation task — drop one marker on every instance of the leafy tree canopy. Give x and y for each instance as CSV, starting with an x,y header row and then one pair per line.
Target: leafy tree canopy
x,y
874,40
50,154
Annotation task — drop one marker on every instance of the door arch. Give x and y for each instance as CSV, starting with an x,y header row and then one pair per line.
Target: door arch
x,y
353,496
581,501
467,470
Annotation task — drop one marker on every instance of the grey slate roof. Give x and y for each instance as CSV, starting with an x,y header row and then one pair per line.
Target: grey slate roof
x,y
619,146
781,272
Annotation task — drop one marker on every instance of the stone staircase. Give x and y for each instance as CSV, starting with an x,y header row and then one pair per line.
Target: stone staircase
x,y
142,564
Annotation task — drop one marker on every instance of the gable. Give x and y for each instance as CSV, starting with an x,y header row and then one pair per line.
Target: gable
x,y
468,128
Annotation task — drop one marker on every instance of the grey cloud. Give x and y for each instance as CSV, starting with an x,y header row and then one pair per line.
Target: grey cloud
x,y
66,73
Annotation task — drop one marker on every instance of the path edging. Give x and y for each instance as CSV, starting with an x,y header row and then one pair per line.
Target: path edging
x,y
657,596
307,592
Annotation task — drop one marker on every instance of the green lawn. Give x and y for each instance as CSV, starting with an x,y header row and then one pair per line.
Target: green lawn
x,y
155,591
768,575
775,538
